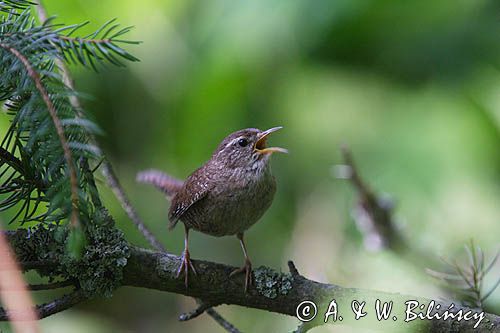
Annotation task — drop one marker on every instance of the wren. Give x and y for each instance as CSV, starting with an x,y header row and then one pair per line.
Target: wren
x,y
225,196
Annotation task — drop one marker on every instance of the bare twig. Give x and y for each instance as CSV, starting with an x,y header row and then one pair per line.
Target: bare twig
x,y
305,327
114,183
293,270
373,216
202,307
221,321
207,308
58,305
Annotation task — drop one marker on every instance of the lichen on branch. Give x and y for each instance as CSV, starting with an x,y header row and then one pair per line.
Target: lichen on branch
x,y
99,270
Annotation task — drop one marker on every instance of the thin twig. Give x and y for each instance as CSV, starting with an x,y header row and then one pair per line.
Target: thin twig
x,y
208,309
114,183
221,321
202,307
305,327
58,305
373,216
293,269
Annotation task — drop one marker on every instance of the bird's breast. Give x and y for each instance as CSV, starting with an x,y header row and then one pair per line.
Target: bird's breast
x,y
233,205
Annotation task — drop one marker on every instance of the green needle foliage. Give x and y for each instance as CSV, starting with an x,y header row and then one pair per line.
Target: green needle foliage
x,y
34,169
98,46
9,6
466,280
48,151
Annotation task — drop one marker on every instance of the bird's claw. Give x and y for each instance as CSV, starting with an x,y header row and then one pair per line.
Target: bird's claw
x,y
185,265
247,268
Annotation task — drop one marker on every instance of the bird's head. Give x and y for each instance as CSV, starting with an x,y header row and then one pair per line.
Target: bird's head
x,y
246,148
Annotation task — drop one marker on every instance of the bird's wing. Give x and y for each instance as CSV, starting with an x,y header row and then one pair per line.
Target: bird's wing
x,y
195,188
165,183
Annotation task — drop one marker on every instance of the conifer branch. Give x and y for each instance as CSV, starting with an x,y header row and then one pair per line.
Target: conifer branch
x,y
63,69
8,5
57,124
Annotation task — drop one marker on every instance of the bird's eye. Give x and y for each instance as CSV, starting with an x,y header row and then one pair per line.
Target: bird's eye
x,y
243,142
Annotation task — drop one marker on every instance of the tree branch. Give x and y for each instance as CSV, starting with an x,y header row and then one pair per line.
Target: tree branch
x,y
281,293
57,124
273,291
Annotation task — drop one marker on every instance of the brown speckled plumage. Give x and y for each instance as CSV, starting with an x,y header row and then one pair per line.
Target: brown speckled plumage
x,y
225,196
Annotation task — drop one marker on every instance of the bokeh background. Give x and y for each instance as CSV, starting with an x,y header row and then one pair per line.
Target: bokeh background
x,y
413,87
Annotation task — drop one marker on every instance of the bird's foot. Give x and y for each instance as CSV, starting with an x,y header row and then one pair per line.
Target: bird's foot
x,y
185,265
247,268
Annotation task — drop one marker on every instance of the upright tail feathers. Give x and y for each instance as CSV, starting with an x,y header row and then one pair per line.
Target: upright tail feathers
x,y
165,183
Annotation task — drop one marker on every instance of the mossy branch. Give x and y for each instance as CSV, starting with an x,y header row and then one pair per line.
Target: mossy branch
x,y
272,291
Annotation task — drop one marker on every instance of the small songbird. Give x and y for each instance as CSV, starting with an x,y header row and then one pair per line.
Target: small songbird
x,y
226,196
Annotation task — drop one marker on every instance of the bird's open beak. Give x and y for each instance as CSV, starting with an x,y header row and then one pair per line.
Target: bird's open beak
x,y
260,144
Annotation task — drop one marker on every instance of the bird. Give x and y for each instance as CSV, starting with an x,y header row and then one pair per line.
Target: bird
x,y
225,196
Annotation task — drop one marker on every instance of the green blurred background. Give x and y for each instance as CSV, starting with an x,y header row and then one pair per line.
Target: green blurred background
x,y
413,87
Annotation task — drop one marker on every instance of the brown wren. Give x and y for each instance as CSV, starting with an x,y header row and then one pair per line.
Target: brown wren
x,y
225,196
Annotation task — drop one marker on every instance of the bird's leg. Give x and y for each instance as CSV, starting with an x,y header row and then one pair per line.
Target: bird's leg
x,y
247,268
186,260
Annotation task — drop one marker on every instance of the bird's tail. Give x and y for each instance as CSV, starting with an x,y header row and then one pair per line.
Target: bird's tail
x,y
165,183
